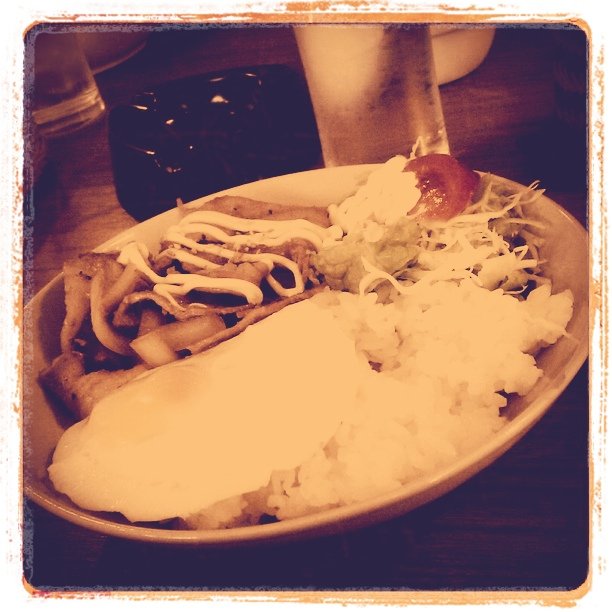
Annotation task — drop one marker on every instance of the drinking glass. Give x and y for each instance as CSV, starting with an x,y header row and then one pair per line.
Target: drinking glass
x,y
374,91
66,96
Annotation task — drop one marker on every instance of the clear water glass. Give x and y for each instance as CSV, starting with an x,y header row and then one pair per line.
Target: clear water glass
x,y
374,91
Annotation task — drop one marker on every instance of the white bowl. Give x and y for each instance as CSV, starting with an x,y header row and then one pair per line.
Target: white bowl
x,y
44,422
457,50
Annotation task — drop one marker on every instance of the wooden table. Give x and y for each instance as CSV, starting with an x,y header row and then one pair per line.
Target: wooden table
x,y
522,523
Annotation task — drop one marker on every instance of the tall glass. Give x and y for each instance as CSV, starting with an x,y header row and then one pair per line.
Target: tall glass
x,y
66,96
374,91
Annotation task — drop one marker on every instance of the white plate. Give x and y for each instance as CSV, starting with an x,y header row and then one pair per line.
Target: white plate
x,y
44,422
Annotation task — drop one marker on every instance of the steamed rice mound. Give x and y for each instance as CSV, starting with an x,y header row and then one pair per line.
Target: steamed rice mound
x,y
437,367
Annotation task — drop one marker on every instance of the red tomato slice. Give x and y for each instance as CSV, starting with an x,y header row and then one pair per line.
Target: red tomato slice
x,y
446,185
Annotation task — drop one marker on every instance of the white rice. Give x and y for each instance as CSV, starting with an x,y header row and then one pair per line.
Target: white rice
x,y
442,361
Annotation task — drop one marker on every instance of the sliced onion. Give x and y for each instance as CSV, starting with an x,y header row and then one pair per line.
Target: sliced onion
x,y
153,350
160,346
150,319
124,285
103,330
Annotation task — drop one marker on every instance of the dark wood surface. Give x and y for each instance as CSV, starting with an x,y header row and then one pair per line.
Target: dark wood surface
x,y
522,523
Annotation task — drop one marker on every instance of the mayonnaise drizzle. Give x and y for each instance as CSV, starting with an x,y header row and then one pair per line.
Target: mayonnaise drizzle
x,y
245,233
252,232
181,284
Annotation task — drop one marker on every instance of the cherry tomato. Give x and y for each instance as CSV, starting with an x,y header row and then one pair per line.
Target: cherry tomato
x,y
446,185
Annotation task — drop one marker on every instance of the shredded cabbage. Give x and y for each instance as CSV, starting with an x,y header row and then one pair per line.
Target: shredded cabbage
x,y
493,242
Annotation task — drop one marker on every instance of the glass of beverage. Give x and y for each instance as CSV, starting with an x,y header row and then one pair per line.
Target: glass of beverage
x,y
66,96
374,91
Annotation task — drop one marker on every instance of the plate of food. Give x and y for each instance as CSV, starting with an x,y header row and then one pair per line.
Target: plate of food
x,y
301,355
